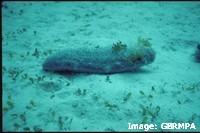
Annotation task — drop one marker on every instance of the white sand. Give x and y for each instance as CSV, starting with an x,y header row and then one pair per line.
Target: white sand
x,y
174,31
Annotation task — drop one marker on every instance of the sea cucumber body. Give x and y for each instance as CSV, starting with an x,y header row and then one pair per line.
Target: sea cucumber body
x,y
98,60
197,53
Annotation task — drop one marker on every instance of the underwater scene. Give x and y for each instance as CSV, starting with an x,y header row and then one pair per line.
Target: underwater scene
x,y
100,66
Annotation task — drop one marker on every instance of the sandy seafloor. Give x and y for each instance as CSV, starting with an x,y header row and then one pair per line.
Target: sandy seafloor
x,y
166,91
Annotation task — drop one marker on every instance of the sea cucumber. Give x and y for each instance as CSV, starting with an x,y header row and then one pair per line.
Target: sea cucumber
x,y
101,60
197,53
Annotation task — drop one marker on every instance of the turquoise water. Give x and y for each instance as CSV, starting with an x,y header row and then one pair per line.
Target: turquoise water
x,y
160,93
